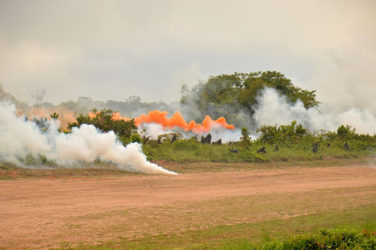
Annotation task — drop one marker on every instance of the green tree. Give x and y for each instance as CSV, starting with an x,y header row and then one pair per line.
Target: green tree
x,y
245,136
104,122
283,133
346,132
228,94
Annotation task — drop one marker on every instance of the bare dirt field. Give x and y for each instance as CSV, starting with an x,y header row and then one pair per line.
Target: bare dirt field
x,y
50,212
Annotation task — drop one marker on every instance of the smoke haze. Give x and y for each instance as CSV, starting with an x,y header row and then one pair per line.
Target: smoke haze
x,y
274,109
113,50
22,138
120,48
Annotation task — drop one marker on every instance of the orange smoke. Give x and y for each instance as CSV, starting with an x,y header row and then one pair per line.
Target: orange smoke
x,y
160,117
66,116
115,116
177,120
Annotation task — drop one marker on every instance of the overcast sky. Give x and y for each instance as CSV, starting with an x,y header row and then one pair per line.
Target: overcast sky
x,y
115,49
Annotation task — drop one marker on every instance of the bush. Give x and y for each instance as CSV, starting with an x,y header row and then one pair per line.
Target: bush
x,y
333,239
125,130
326,239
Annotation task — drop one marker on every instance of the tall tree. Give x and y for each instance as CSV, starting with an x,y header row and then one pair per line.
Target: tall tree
x,y
226,95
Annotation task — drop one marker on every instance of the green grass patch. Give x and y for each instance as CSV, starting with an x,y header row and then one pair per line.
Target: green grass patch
x,y
272,233
10,171
190,150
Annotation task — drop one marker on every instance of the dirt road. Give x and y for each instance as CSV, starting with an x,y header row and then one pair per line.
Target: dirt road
x,y
47,212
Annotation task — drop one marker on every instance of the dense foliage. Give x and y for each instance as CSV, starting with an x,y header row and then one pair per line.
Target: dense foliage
x,y
125,130
326,239
275,143
225,95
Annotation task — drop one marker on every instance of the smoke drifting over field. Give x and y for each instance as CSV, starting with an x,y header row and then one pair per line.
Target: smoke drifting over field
x,y
275,109
22,138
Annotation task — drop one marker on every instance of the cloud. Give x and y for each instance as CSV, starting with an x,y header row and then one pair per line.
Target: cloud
x,y
114,49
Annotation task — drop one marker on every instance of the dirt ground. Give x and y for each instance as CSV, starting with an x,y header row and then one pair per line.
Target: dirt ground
x,y
50,212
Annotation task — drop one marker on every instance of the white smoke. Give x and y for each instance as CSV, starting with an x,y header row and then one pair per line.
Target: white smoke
x,y
275,109
21,138
226,135
153,130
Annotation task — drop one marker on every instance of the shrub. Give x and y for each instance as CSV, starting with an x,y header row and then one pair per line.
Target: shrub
x,y
125,130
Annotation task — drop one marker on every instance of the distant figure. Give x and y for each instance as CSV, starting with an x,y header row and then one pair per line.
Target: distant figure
x,y
346,146
234,150
315,147
202,139
276,149
174,137
206,139
219,142
262,150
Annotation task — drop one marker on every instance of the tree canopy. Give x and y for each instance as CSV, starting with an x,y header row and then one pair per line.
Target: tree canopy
x,y
239,91
104,122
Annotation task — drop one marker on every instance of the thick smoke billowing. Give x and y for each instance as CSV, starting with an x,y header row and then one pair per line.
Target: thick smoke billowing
x,y
21,138
275,109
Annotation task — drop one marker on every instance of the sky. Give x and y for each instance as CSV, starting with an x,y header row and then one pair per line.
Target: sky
x,y
115,49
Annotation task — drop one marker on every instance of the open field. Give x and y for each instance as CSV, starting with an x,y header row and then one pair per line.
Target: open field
x,y
208,205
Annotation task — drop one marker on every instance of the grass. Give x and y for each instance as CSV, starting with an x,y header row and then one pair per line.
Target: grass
x,y
240,222
245,220
245,236
10,171
191,150
197,167
326,239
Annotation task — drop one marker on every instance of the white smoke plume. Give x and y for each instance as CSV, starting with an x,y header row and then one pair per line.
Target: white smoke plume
x,y
226,135
153,130
20,138
275,109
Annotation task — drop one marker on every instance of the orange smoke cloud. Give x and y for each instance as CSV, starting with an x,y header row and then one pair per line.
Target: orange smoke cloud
x,y
160,117
66,116
177,120
115,116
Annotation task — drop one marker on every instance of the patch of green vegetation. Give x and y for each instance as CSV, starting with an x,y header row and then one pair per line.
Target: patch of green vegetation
x,y
10,172
306,229
227,95
102,120
326,239
276,143
200,167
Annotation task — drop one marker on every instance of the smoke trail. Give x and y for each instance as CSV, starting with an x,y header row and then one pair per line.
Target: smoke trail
x,y
275,109
20,138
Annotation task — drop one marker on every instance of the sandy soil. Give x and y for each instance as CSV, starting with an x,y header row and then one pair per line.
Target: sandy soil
x,y
46,212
